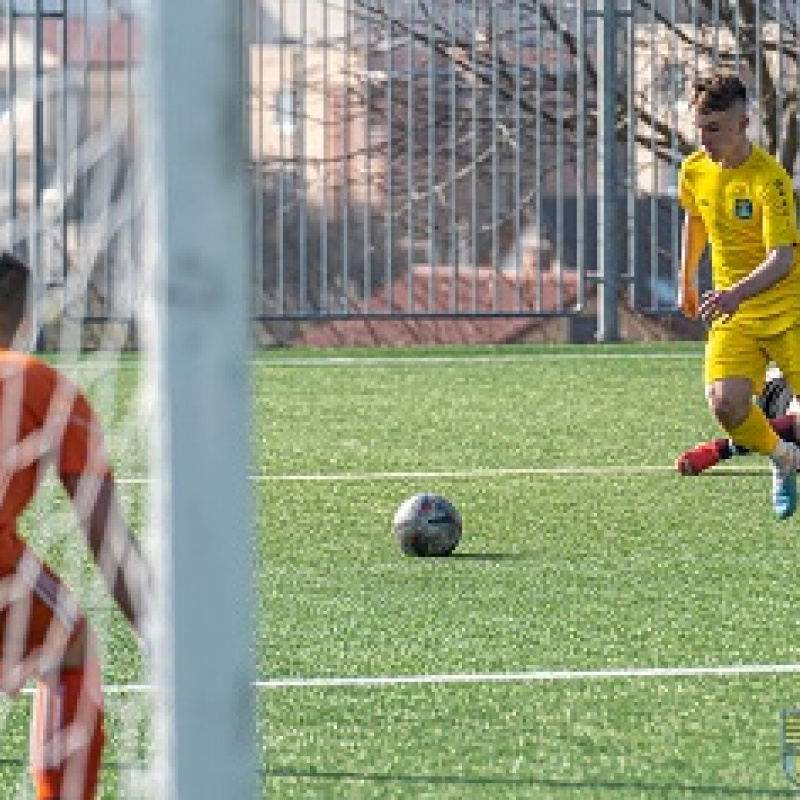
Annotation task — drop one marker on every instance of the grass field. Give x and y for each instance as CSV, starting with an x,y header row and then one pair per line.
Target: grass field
x,y
487,674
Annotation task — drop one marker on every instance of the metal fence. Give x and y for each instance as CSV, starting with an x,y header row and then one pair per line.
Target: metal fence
x,y
409,158
70,166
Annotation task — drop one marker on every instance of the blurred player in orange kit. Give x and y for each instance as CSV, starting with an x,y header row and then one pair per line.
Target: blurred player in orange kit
x,y
43,632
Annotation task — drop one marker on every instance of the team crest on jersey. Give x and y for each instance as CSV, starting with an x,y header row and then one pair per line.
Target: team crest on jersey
x,y
743,208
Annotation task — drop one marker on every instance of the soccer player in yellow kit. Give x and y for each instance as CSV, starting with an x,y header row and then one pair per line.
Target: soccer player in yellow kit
x,y
739,200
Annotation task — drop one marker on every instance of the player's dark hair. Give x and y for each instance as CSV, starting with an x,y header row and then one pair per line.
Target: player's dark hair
x,y
14,282
719,92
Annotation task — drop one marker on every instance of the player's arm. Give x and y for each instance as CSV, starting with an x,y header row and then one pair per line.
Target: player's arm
x,y
112,545
772,269
695,239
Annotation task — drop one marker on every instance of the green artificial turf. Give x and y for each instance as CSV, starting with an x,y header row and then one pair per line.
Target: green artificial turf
x,y
582,551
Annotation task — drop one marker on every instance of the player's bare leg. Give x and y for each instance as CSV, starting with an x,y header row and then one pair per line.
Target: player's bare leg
x,y
779,405
67,737
730,401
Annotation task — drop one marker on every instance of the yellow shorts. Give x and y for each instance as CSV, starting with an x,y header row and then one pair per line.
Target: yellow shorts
x,y
738,351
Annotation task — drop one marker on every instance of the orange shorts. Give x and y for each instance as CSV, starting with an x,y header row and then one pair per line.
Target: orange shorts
x,y
38,616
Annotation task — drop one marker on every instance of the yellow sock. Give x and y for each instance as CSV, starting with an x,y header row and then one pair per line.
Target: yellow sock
x,y
755,433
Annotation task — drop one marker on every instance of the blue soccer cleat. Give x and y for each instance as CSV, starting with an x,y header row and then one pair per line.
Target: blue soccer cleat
x,y
784,492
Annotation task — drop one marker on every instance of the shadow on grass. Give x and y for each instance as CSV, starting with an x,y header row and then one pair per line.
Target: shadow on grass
x,y
554,785
728,472
489,556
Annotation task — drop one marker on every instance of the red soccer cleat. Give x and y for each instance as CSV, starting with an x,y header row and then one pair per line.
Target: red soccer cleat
x,y
698,458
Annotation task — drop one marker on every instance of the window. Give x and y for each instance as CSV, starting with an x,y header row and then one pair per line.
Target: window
x,y
672,82
286,111
27,8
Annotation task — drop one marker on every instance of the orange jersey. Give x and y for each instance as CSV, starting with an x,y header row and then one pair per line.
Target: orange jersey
x,y
44,419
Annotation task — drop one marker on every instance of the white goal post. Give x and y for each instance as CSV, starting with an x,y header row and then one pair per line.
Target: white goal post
x,y
199,351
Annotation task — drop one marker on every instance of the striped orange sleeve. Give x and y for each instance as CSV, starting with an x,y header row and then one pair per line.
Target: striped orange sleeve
x,y
82,449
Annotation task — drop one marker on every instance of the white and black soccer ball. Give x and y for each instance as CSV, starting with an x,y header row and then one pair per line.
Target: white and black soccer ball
x,y
427,525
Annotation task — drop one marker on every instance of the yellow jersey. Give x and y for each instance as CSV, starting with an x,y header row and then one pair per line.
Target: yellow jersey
x,y
747,212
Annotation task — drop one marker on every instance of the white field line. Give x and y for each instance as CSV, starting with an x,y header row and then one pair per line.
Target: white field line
x,y
533,676
486,358
499,472
390,360
109,689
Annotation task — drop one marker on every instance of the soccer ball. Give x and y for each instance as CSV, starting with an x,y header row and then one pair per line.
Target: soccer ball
x,y
427,525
